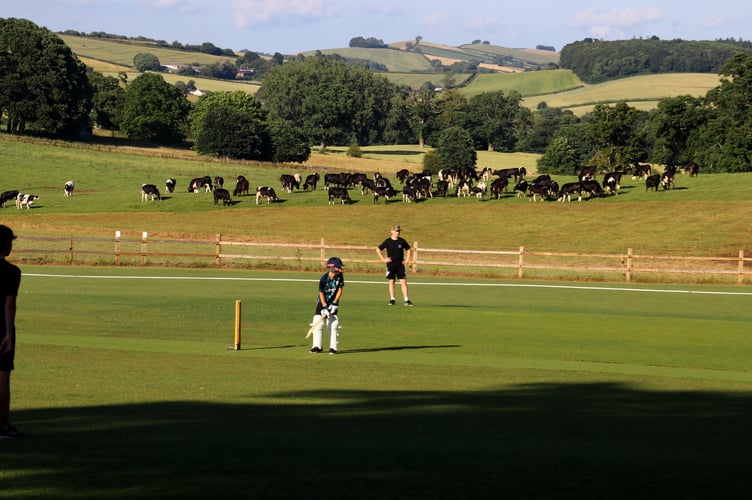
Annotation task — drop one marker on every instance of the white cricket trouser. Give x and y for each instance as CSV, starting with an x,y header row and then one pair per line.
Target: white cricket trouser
x,y
332,323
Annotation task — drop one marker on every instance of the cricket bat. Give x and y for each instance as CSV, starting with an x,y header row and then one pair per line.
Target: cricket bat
x,y
315,325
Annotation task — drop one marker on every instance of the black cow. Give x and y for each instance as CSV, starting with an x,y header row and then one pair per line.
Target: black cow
x,y
339,192
520,187
498,186
506,173
567,190
150,190
170,185
385,192
68,188
335,179
402,175
266,192
442,187
7,196
652,181
641,170
221,194
367,185
242,186
219,182
311,181
592,188
587,172
693,169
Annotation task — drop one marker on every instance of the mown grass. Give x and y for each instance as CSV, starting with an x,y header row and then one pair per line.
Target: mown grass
x,y
479,391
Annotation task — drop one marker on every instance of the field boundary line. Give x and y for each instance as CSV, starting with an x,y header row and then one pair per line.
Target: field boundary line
x,y
412,283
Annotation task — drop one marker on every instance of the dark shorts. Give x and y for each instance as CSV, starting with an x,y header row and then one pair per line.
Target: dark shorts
x,y
6,360
395,272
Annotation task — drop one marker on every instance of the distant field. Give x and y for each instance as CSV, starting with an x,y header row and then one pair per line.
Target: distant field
x,y
632,90
527,84
395,60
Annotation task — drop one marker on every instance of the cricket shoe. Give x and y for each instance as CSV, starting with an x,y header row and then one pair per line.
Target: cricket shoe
x,y
315,349
332,351
408,303
392,302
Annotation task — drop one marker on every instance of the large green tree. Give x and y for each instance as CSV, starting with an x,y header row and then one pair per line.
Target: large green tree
x,y
674,121
492,118
456,149
43,85
619,135
230,124
108,101
154,110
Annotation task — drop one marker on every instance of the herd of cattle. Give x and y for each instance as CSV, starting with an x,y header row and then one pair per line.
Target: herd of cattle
x,y
468,182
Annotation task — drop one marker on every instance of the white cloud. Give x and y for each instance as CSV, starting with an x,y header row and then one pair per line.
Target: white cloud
x,y
616,22
257,12
436,20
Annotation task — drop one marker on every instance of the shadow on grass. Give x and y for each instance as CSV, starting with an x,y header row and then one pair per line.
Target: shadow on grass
x,y
553,440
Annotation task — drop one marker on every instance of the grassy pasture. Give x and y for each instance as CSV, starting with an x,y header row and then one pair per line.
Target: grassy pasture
x,y
536,83
395,60
704,216
633,91
482,390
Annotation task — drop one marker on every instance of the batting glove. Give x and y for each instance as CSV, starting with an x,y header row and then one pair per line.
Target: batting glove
x,y
333,308
324,312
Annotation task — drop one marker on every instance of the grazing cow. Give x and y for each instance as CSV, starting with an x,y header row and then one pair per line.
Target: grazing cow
x,y
385,192
641,170
219,182
340,193
506,173
652,181
479,190
693,169
334,179
170,185
25,200
266,192
667,178
520,187
68,189
612,182
485,173
422,186
498,186
463,188
222,194
442,187
289,182
148,190
7,196
311,181
409,193
587,172
567,190
592,188
450,176
543,186
200,182
367,185
242,186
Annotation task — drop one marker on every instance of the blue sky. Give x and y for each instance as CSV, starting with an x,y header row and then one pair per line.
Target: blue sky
x,y
290,26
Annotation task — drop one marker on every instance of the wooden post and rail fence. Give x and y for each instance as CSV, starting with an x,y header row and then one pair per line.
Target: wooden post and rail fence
x,y
518,263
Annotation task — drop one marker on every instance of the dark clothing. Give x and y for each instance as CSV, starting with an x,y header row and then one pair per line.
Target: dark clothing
x,y
329,286
395,250
10,281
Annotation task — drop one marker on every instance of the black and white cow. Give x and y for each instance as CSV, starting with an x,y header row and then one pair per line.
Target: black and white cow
x,y
339,193
221,194
652,182
506,173
668,176
311,181
479,190
6,196
693,169
68,188
612,182
242,186
170,185
521,187
367,185
266,192
642,170
442,187
219,182
25,200
150,190
587,172
200,182
289,182
385,192
567,190
593,188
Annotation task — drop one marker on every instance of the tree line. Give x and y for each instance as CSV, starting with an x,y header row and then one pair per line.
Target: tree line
x,y
595,61
323,101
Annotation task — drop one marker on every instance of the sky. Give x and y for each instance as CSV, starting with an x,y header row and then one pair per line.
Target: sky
x,y
292,26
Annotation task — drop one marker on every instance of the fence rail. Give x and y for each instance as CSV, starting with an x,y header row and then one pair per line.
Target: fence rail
x,y
519,263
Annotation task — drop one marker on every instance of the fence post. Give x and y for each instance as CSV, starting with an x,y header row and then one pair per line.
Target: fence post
x,y
70,248
117,248
628,273
144,236
520,262
740,278
218,251
415,257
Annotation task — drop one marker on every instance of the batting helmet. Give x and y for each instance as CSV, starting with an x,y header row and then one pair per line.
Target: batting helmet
x,y
334,262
